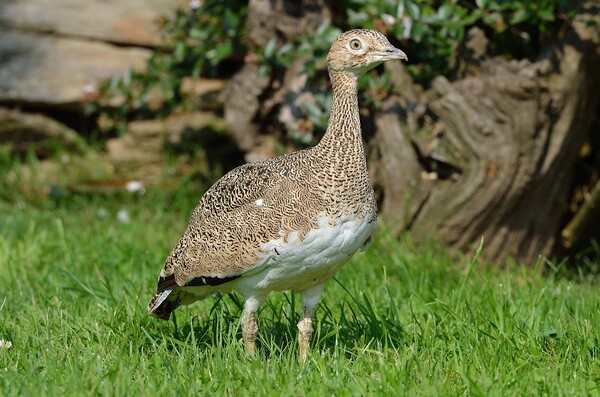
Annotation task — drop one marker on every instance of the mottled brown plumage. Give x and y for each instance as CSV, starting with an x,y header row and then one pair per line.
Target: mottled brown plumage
x,y
288,222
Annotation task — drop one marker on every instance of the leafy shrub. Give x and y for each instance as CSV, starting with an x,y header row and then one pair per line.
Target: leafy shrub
x,y
431,30
196,42
200,40
434,27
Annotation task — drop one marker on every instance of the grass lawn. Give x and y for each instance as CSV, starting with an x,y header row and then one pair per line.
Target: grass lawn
x,y
397,320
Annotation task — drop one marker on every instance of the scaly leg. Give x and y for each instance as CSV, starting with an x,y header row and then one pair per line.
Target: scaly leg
x,y
310,298
249,324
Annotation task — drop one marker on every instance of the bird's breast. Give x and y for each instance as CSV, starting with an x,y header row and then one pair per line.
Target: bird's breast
x,y
295,263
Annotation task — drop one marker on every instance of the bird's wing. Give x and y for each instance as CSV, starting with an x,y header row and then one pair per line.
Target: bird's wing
x,y
244,210
239,187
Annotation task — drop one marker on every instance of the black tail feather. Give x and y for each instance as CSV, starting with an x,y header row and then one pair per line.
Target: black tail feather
x,y
168,283
163,304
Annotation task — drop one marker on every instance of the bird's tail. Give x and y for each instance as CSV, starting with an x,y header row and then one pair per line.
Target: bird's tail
x,y
164,303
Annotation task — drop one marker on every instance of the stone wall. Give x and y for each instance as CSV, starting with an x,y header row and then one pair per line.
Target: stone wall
x,y
54,51
54,54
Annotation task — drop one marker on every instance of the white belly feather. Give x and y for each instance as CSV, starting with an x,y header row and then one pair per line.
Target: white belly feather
x,y
298,265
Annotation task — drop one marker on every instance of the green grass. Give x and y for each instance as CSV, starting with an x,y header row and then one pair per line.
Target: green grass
x,y
397,320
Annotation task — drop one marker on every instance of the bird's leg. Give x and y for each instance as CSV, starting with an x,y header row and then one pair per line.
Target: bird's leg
x,y
310,298
249,324
305,332
249,330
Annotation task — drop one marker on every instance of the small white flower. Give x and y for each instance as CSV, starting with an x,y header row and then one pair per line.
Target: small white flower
x,y
123,215
388,19
89,88
135,187
195,4
5,344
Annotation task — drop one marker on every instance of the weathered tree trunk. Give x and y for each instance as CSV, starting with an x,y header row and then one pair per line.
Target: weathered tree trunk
x,y
493,155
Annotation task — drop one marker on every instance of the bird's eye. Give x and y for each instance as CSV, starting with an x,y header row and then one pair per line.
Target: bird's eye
x,y
355,44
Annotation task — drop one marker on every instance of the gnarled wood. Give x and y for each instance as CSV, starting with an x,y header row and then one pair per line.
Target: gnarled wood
x,y
497,159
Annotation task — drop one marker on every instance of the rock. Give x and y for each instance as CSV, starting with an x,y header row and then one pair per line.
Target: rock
x,y
55,53
58,71
141,145
141,151
28,132
64,161
203,93
132,22
56,176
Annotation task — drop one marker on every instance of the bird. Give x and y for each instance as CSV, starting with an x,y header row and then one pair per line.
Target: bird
x,y
288,222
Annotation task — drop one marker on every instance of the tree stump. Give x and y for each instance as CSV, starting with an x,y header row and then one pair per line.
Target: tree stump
x,y
493,155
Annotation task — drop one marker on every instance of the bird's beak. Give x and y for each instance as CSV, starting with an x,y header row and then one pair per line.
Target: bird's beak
x,y
394,53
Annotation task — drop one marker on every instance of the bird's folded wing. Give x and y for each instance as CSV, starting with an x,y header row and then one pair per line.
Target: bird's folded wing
x,y
227,229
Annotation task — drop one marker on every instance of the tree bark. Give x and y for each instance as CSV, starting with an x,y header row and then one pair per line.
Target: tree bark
x,y
493,155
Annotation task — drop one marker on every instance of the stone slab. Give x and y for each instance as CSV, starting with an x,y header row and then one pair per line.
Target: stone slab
x,y
129,22
50,70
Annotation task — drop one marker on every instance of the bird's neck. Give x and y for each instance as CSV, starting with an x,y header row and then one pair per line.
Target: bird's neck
x,y
343,134
342,167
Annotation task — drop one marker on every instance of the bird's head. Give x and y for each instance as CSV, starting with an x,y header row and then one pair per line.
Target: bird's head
x,y
360,50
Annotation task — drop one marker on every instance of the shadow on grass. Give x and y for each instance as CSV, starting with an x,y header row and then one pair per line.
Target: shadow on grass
x,y
356,325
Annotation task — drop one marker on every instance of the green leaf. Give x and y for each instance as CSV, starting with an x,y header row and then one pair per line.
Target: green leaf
x,y
445,12
230,22
270,48
312,110
472,18
198,34
286,48
286,54
197,69
222,51
519,17
492,18
357,18
456,30
546,14
413,10
263,70
418,30
115,82
180,51
167,88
